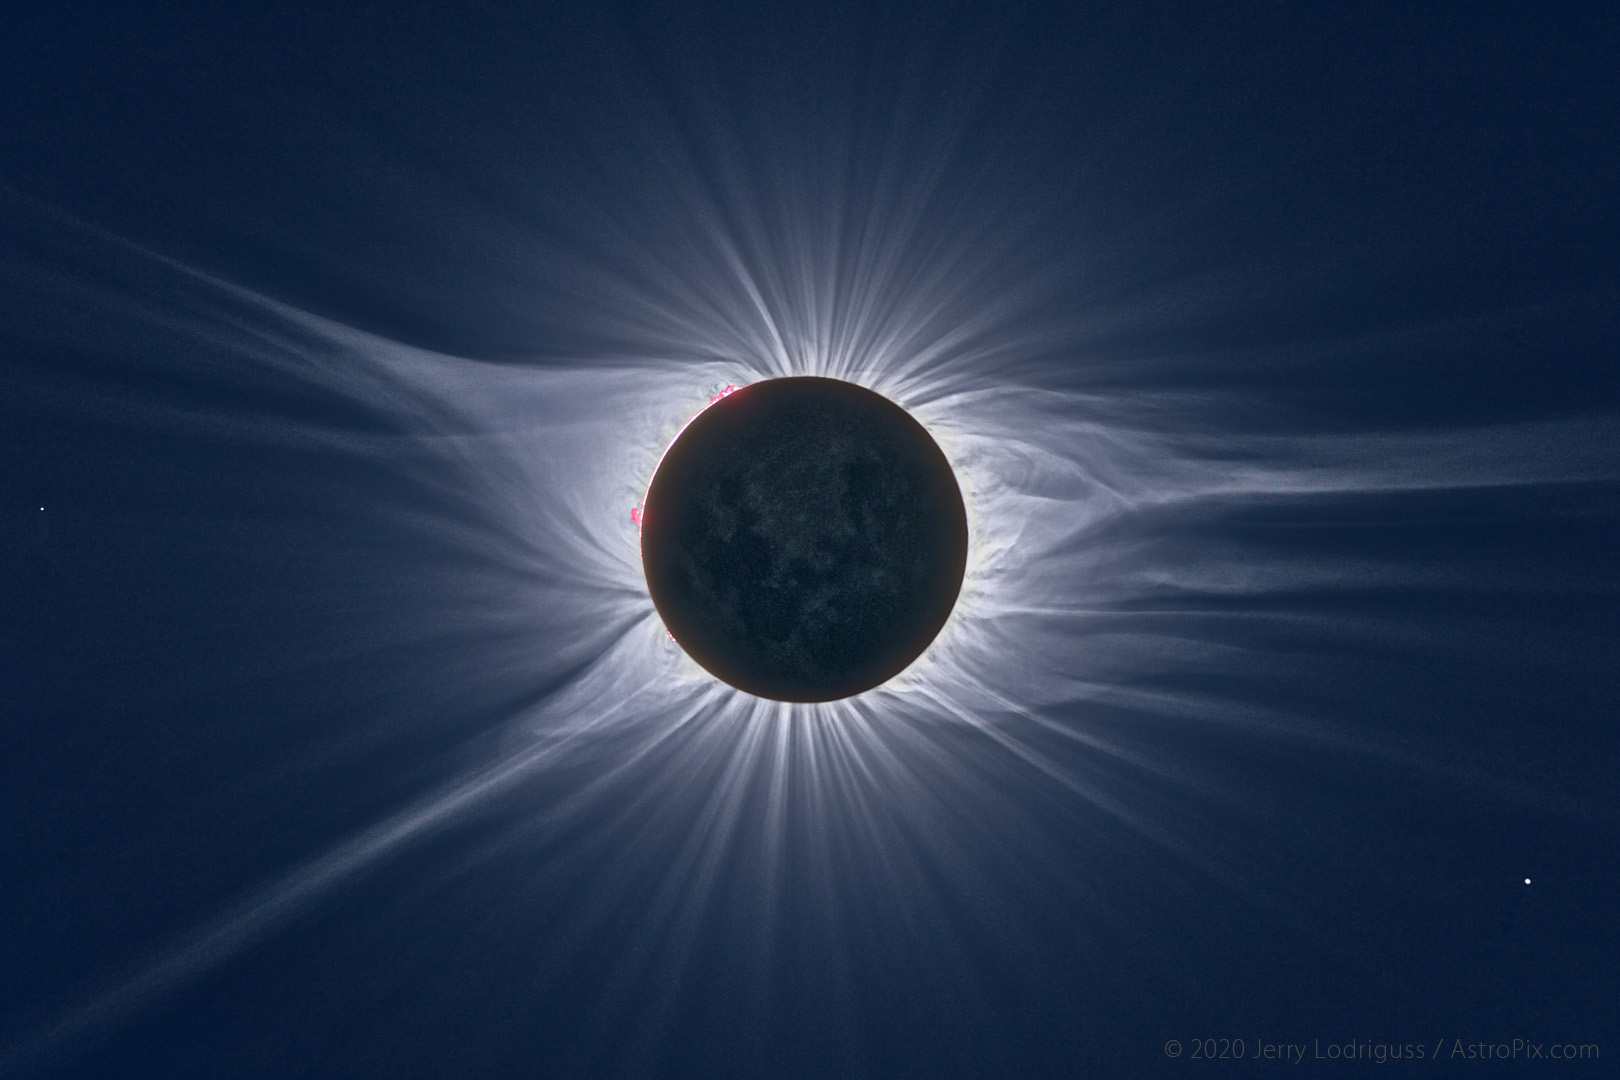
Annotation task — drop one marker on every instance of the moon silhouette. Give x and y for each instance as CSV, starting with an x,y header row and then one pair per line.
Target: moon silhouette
x,y
804,539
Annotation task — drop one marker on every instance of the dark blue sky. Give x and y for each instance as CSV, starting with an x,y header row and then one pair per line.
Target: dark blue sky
x,y
1279,343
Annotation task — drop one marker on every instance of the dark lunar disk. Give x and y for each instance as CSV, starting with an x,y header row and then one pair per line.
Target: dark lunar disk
x,y
804,539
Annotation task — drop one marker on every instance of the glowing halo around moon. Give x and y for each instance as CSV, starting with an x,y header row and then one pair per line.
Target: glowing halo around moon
x,y
1047,715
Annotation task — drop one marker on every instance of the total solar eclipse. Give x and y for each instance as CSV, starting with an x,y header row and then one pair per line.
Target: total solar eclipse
x,y
804,539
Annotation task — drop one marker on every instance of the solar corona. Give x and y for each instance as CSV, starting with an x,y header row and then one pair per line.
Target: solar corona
x,y
678,540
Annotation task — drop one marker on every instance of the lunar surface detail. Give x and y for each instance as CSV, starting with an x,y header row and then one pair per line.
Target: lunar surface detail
x,y
804,539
